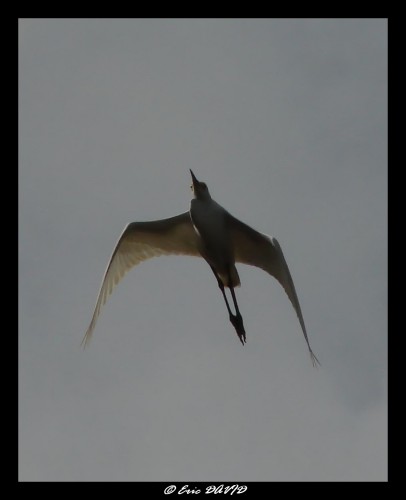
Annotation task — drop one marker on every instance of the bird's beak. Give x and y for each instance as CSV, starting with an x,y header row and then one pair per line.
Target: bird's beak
x,y
195,181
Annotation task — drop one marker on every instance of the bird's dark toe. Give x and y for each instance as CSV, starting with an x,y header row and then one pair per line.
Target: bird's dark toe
x,y
238,324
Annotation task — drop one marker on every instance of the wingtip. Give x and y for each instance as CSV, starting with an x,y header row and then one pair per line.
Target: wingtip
x,y
85,340
315,362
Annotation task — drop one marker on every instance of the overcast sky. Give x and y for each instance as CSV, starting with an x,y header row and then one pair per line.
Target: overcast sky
x,y
286,121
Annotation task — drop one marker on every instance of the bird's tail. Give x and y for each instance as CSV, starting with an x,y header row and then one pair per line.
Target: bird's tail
x,y
232,279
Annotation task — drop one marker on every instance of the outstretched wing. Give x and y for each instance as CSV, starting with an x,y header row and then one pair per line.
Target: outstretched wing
x,y
141,241
256,249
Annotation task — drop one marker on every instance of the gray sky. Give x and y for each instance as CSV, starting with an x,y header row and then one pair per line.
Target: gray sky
x,y
286,121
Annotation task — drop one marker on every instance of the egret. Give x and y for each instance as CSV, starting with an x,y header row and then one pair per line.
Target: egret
x,y
207,230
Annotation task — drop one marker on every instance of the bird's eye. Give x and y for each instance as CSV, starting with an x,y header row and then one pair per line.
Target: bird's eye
x,y
191,187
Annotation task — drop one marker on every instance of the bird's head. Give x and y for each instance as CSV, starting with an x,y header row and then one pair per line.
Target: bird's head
x,y
200,189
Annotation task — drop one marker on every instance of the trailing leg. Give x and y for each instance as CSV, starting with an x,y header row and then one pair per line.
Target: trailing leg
x,y
235,319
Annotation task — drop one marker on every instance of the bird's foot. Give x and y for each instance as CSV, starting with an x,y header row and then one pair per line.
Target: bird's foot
x,y
239,327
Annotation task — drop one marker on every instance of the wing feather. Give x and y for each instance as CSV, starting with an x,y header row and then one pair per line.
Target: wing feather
x,y
257,249
141,241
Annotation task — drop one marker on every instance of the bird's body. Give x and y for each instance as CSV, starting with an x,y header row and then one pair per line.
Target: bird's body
x,y
208,231
210,221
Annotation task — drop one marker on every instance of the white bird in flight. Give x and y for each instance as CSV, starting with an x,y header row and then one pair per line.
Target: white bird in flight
x,y
207,230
